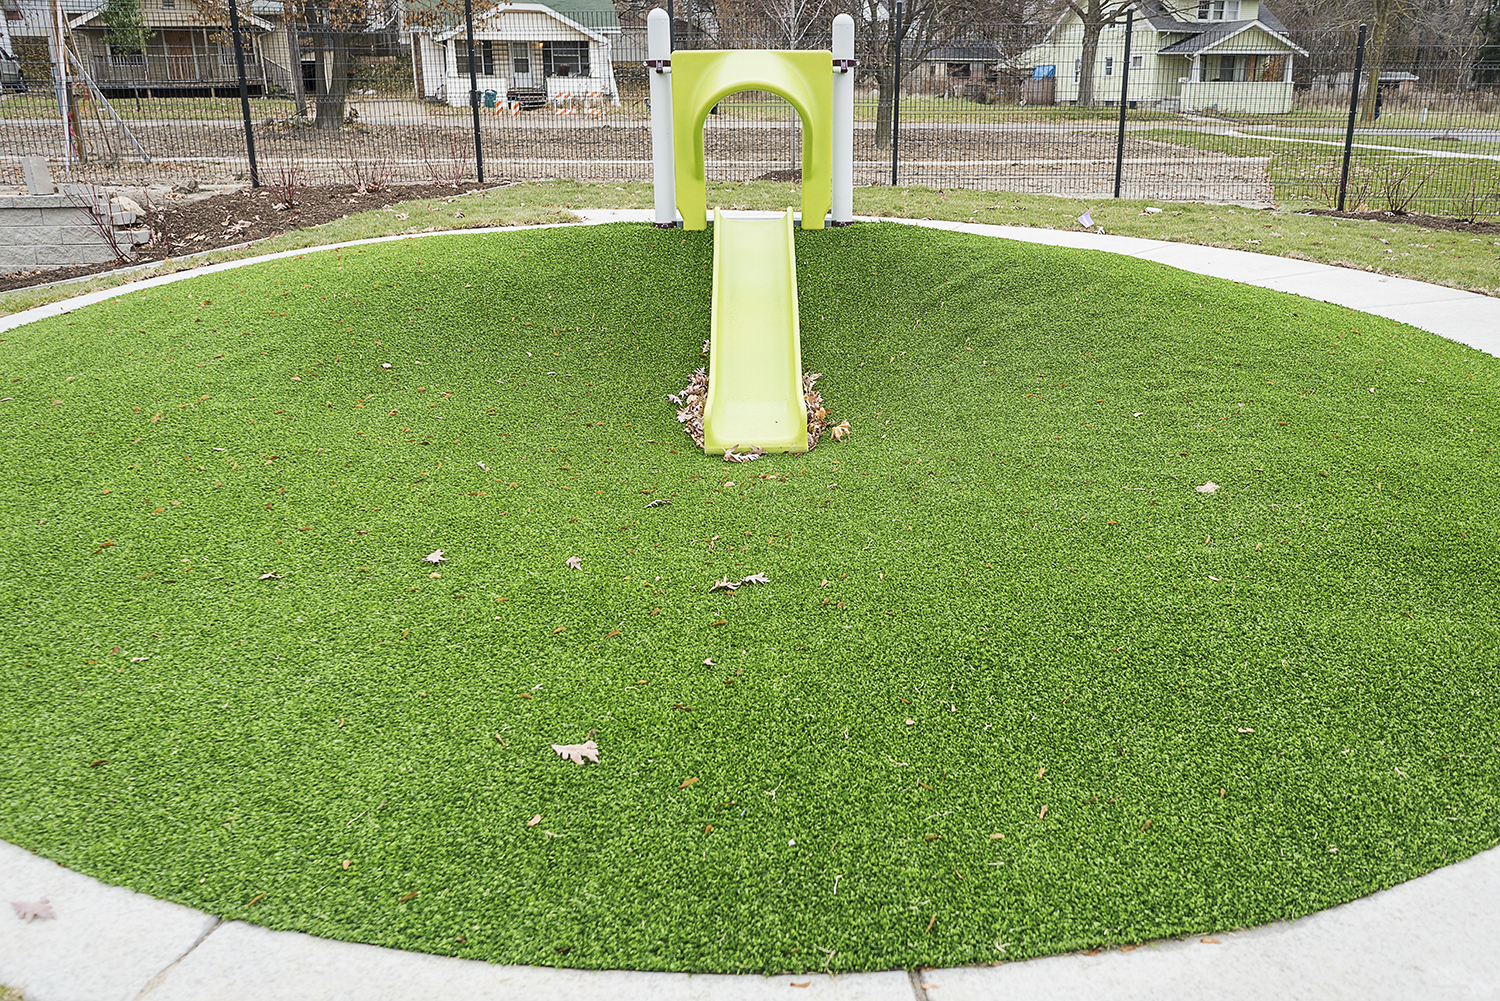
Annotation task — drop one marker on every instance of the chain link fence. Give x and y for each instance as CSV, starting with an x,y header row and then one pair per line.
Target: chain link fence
x,y
1157,106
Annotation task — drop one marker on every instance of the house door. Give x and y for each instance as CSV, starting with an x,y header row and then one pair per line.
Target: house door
x,y
180,62
522,65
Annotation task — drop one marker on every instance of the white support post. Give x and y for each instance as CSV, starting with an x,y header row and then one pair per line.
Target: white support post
x,y
843,120
663,162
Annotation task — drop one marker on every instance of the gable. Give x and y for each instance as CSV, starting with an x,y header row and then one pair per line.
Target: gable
x,y
1255,39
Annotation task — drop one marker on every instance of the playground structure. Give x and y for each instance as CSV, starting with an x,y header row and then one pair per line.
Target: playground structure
x,y
755,398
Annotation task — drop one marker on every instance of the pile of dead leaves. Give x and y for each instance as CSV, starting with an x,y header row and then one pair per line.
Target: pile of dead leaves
x,y
693,397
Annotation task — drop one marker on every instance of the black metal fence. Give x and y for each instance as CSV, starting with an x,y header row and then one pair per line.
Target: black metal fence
x,y
142,92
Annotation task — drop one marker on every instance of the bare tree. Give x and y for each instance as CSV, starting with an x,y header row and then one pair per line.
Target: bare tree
x,y
925,26
1095,15
777,24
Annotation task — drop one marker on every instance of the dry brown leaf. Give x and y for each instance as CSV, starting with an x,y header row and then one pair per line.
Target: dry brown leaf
x,y
534,821
30,911
578,752
574,563
688,782
723,585
748,455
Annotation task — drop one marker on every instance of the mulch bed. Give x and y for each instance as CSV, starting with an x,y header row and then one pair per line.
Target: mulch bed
x,y
1407,219
190,226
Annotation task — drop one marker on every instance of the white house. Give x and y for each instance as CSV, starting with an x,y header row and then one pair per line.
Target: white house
x,y
1188,55
528,52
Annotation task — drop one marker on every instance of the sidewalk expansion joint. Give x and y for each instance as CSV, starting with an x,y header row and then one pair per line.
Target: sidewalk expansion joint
x,y
157,980
918,989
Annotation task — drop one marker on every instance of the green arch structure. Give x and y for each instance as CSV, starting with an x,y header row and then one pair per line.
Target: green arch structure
x,y
701,79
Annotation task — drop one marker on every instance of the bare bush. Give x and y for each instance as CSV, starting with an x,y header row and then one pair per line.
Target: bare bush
x,y
98,215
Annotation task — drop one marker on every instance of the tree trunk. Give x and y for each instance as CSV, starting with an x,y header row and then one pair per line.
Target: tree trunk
x,y
333,78
885,81
1086,59
1373,56
294,66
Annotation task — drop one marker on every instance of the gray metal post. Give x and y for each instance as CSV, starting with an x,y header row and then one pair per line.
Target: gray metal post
x,y
474,91
239,65
1359,65
1124,102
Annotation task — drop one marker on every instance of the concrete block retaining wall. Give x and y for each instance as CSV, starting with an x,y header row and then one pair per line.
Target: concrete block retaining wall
x,y
57,231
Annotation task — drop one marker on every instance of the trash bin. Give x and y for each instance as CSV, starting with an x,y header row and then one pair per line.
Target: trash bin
x,y
489,98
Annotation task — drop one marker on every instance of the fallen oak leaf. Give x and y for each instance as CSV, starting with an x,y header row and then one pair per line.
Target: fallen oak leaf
x,y
755,578
723,585
435,557
574,563
748,455
659,502
576,753
30,911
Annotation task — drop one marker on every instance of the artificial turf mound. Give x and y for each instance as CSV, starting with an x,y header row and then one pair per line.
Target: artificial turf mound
x,y
1000,608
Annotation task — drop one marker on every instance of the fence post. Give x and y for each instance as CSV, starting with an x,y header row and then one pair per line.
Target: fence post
x,y
1359,64
474,92
1124,101
239,65
896,93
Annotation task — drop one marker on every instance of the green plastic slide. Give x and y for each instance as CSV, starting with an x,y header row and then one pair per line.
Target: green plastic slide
x,y
755,363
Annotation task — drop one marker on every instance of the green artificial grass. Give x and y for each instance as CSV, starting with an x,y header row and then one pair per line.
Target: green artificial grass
x,y
1015,686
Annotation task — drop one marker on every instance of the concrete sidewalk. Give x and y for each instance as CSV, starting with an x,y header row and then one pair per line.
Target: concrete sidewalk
x,y
1431,938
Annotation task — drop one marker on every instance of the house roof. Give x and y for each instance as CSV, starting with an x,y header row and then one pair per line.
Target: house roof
x,y
598,15
969,51
89,15
500,12
1204,35
1222,31
1162,19
589,13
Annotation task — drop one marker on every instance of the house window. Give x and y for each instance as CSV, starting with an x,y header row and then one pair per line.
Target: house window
x,y
565,59
520,65
1232,69
120,55
1109,65
483,58
1218,10
1137,62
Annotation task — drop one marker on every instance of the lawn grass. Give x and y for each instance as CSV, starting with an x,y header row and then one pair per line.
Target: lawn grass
x,y
1001,607
1379,178
1445,258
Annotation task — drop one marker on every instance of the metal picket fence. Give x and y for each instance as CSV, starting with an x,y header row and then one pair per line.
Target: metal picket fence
x,y
142,92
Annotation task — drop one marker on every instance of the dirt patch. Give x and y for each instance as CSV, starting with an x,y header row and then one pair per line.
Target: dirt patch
x,y
1410,219
182,224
